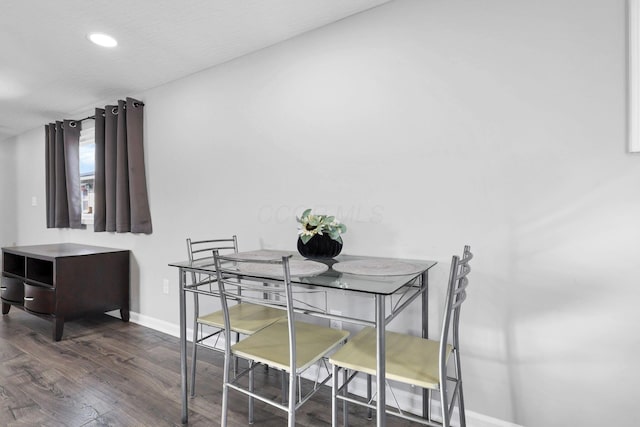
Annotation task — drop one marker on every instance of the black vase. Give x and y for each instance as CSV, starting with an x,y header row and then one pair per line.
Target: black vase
x,y
320,246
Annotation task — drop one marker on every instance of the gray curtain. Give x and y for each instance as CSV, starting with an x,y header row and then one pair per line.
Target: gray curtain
x,y
62,141
121,199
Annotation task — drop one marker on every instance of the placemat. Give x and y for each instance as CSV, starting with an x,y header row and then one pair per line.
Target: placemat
x,y
380,267
297,268
260,254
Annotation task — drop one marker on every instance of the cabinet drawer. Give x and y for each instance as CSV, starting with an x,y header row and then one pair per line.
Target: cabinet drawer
x,y
39,299
12,289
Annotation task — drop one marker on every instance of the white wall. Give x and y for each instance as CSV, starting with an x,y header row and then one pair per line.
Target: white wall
x,y
425,125
7,194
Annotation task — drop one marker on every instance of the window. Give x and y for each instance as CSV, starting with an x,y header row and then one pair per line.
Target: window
x,y
87,169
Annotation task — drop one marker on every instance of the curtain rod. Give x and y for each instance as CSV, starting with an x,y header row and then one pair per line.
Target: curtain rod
x,y
93,117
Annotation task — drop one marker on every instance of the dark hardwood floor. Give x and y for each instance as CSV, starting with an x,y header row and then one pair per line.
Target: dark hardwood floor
x,y
106,372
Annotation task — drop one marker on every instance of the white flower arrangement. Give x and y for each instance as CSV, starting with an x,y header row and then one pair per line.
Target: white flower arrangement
x,y
311,224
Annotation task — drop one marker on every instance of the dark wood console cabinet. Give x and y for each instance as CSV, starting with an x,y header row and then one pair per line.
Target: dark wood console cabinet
x,y
64,281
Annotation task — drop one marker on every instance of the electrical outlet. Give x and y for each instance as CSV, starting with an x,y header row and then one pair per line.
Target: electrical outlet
x,y
34,201
165,286
336,324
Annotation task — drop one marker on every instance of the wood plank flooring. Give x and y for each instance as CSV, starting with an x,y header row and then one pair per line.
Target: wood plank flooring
x,y
106,372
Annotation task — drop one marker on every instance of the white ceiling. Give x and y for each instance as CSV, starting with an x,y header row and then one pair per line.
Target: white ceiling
x,y
49,70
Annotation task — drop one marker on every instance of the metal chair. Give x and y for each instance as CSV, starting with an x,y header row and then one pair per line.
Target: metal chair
x,y
289,345
411,360
246,319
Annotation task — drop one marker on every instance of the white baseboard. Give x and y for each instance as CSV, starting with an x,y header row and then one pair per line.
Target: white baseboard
x,y
474,419
412,403
153,323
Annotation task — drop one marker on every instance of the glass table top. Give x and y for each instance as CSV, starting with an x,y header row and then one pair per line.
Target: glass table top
x,y
366,274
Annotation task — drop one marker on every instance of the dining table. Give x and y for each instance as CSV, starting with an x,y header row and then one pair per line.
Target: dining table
x,y
392,284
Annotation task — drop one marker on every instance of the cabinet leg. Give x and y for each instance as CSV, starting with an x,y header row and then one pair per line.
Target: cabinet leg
x,y
5,308
124,313
58,325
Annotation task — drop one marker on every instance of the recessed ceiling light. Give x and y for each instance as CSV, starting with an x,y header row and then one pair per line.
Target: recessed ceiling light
x,y
104,40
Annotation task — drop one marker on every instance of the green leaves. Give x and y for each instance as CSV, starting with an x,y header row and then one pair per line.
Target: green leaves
x,y
310,225
305,238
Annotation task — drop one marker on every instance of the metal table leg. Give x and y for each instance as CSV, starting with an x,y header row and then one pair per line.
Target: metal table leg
x,y
183,346
426,407
381,415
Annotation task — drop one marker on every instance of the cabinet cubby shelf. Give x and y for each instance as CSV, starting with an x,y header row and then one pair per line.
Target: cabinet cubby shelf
x,y
64,281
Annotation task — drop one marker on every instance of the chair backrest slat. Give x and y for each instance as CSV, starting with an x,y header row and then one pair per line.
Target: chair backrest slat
x,y
456,295
460,300
197,247
202,250
234,285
